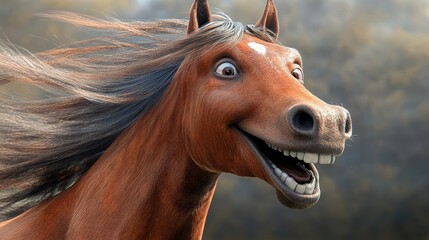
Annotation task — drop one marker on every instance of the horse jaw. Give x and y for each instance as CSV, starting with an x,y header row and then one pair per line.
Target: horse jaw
x,y
285,185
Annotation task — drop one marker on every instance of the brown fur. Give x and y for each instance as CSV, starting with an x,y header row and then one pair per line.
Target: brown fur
x,y
157,179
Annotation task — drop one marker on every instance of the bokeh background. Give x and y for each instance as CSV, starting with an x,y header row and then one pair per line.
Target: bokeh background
x,y
372,57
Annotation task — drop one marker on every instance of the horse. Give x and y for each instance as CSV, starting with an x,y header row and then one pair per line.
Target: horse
x,y
135,128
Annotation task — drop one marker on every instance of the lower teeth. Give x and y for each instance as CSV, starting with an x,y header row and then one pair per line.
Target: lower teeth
x,y
307,188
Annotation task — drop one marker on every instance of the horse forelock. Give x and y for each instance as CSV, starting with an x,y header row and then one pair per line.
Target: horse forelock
x,y
97,88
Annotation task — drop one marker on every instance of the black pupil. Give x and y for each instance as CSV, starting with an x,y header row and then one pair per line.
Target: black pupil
x,y
296,75
228,71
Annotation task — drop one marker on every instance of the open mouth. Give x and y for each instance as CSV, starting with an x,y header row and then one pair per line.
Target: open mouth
x,y
294,174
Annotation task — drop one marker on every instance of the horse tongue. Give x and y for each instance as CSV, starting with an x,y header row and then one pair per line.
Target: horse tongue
x,y
297,171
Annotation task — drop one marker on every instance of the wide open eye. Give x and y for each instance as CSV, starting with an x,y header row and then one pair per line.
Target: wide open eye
x,y
226,69
298,74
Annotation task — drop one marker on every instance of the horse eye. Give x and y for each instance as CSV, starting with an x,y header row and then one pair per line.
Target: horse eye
x,y
298,74
227,69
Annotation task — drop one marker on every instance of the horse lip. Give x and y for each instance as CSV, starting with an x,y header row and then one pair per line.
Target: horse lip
x,y
285,195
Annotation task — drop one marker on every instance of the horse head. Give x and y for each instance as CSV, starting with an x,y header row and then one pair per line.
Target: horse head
x,y
249,113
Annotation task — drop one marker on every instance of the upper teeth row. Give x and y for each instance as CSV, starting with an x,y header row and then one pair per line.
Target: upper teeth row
x,y
307,157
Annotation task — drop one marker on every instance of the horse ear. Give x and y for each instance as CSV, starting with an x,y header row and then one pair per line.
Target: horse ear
x,y
270,18
199,15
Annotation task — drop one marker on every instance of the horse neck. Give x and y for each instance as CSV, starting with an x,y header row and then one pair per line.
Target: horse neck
x,y
145,186
146,183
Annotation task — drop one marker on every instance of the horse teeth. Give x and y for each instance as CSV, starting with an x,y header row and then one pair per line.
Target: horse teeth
x,y
278,171
300,189
291,183
311,158
306,188
325,159
313,179
309,188
284,177
306,157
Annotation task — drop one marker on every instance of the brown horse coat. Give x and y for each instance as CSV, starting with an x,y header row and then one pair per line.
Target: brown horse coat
x,y
232,102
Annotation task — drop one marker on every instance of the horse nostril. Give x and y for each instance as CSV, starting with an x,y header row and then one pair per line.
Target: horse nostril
x,y
348,125
301,121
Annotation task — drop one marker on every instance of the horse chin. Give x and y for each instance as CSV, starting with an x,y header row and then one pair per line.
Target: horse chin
x,y
295,203
287,175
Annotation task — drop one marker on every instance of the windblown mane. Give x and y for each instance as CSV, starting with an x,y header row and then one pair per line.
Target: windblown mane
x,y
95,90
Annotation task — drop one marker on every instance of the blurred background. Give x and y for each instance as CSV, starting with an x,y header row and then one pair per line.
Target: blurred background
x,y
372,57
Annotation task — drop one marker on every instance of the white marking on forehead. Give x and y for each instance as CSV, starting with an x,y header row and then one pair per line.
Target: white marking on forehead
x,y
259,48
